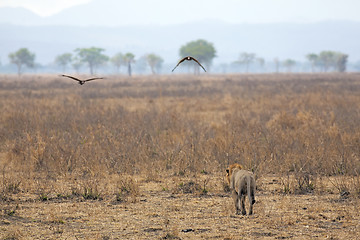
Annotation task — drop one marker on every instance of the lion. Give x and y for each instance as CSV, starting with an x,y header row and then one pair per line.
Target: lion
x,y
230,169
241,182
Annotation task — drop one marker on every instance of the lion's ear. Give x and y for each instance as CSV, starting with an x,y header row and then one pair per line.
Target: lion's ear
x,y
227,170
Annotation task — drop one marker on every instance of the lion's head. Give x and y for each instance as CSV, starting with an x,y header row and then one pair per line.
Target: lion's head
x,y
230,169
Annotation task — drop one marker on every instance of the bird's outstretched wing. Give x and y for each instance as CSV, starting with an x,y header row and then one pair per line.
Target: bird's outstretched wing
x,y
183,59
81,81
74,78
192,58
91,79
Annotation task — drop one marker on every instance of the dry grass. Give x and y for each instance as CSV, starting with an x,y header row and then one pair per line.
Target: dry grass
x,y
144,157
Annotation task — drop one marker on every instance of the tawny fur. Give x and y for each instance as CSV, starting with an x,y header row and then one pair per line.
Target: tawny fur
x,y
230,169
242,183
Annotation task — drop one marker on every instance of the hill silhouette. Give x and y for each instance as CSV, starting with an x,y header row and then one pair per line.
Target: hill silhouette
x,y
50,36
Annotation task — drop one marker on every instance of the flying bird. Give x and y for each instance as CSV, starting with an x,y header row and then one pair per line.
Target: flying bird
x,y
81,82
188,58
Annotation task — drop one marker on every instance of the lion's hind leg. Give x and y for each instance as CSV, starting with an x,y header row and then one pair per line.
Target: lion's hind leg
x,y
243,210
250,207
236,199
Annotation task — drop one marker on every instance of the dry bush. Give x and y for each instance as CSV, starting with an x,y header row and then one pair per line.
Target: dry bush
x,y
128,189
300,127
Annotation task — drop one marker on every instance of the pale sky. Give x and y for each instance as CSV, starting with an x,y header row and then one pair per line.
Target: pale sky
x,y
42,7
231,11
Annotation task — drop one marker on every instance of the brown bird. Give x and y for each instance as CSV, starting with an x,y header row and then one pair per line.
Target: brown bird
x,y
81,82
188,58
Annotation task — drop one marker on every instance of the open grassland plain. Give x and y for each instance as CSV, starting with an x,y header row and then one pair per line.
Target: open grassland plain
x,y
145,157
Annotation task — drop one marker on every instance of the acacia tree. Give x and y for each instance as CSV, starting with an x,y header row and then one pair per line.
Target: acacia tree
x,y
289,63
202,50
63,60
92,56
247,59
341,61
326,60
129,59
118,60
154,61
22,57
313,59
76,64
330,59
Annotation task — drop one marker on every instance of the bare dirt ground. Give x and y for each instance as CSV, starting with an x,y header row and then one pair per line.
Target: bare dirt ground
x,y
160,212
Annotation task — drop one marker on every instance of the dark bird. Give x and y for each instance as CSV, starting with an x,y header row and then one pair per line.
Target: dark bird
x,y
81,82
188,58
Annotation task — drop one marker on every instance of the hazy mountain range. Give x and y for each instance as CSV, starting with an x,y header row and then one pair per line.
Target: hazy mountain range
x,y
63,32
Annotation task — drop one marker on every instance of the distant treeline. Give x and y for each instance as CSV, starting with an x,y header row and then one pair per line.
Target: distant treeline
x,y
92,60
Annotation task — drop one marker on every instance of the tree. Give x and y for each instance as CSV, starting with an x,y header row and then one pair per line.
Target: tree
x,y
341,62
289,63
326,60
92,56
247,59
313,59
76,64
154,62
63,60
22,57
331,59
200,49
118,60
129,59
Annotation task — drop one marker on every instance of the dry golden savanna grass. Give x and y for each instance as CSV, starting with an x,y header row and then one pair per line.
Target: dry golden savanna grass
x,y
145,157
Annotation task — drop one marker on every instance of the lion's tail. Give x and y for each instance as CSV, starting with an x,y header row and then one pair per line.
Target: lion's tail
x,y
250,189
